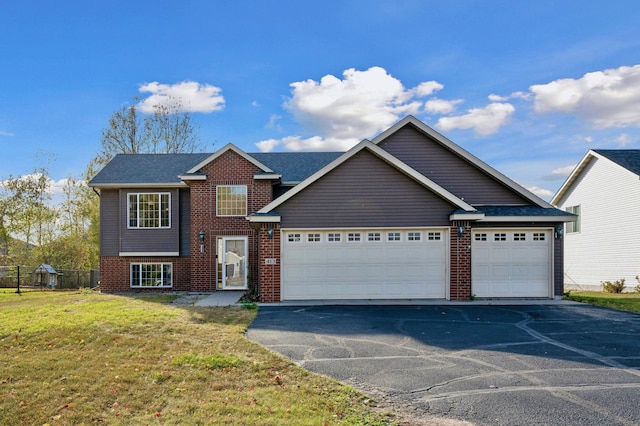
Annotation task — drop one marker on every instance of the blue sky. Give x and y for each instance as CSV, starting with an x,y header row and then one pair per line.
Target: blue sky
x,y
528,87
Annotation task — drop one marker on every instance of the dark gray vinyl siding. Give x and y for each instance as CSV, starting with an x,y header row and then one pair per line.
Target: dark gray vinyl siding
x,y
149,240
448,170
109,222
185,222
365,192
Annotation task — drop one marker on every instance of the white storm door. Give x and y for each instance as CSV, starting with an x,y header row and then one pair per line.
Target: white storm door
x,y
232,259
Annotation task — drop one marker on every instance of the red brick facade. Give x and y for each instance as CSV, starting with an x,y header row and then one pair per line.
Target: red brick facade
x,y
228,169
270,263
115,273
460,260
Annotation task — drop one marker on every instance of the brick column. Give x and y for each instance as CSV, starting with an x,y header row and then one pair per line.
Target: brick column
x,y
460,258
270,263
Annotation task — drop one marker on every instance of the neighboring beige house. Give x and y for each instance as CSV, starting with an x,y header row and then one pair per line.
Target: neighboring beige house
x,y
604,243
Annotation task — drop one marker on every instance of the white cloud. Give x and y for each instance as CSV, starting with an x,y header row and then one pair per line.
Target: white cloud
x,y
560,173
484,121
441,106
540,192
341,112
54,187
609,98
268,145
623,140
427,88
189,95
7,134
273,122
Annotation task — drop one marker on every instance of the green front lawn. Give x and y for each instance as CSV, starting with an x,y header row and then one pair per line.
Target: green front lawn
x,y
623,301
84,358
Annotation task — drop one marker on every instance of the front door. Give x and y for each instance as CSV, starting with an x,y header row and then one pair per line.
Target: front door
x,y
232,262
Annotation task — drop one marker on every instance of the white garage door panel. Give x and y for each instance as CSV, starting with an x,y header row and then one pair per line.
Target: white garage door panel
x,y
364,269
513,263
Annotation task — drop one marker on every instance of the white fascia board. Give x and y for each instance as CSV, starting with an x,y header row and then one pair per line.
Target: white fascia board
x,y
138,185
148,253
267,176
264,219
528,219
385,156
193,177
466,216
573,176
463,153
235,149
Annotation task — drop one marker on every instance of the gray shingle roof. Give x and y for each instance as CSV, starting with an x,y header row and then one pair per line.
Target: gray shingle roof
x,y
517,211
157,169
627,158
295,166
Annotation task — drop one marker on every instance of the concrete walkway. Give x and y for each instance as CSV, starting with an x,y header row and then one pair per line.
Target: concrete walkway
x,y
221,298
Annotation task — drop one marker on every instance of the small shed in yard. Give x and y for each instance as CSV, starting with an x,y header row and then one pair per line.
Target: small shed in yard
x,y
45,275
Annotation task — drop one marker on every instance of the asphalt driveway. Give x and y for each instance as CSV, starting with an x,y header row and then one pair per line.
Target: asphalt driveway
x,y
565,364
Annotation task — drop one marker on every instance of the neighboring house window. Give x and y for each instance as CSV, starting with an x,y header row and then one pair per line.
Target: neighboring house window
x,y
434,236
231,200
150,210
151,275
573,226
414,236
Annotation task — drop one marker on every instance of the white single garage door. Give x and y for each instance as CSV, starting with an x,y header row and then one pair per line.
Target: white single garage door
x,y
511,263
364,264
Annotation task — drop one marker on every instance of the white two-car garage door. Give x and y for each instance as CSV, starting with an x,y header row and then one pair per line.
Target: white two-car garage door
x,y
511,263
364,264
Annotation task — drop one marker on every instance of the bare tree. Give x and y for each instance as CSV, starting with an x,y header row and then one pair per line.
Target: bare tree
x,y
169,129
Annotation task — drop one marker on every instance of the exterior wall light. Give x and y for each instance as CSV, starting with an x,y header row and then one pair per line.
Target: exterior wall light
x,y
460,230
559,231
270,232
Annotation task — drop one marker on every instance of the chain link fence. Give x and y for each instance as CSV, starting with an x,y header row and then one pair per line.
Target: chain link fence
x,y
33,277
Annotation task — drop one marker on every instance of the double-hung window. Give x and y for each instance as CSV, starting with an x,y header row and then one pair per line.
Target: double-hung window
x,y
151,275
150,210
231,200
573,226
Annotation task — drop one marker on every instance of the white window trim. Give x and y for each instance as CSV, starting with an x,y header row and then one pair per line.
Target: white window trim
x,y
246,194
129,194
162,264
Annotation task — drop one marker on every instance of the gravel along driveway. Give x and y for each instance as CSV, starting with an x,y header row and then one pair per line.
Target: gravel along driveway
x,y
566,364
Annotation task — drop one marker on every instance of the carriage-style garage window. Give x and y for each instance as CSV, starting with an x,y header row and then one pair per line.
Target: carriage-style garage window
x,y
313,238
538,236
434,236
231,200
519,236
414,236
334,237
393,236
293,238
500,237
353,236
480,237
150,210
373,236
